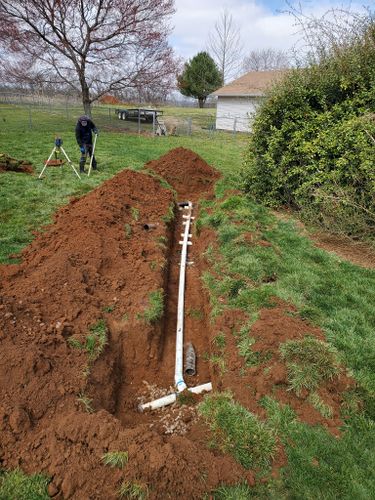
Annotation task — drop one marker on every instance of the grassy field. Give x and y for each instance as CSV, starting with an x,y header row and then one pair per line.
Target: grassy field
x,y
115,151
333,294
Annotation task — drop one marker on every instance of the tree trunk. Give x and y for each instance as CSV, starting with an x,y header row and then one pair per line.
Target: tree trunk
x,y
85,95
201,101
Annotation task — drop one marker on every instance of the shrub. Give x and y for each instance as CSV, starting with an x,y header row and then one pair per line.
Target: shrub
x,y
313,141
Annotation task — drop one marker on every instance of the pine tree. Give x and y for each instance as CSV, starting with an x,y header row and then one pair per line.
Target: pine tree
x,y
200,78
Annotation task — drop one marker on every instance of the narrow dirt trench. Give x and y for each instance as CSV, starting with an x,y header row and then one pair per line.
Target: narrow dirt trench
x,y
144,381
195,326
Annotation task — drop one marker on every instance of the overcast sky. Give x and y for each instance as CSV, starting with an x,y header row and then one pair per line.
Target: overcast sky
x,y
263,23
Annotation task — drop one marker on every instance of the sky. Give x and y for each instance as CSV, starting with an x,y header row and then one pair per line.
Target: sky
x,y
263,23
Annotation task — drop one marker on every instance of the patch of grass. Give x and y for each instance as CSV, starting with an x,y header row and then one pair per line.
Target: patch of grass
x,y
162,241
86,402
219,361
116,459
75,343
316,401
156,307
109,309
219,340
96,340
238,431
195,313
128,230
310,362
186,398
135,213
245,350
153,265
134,490
238,492
169,216
15,485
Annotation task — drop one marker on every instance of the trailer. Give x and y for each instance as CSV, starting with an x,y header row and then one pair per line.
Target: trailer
x,y
138,114
145,116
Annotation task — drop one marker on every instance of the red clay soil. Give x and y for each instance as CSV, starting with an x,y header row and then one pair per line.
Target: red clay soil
x,y
9,164
98,262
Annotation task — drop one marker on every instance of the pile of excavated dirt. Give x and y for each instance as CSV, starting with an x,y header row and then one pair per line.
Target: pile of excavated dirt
x,y
9,164
186,171
102,262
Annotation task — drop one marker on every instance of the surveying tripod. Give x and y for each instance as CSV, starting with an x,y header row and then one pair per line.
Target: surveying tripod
x,y
56,151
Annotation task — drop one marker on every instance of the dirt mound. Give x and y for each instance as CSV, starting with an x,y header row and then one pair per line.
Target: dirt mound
x,y
186,171
9,164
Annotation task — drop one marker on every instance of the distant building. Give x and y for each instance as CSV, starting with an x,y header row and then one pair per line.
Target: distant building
x,y
238,101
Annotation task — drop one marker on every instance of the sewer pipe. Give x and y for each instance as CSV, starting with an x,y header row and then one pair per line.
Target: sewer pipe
x,y
178,377
178,374
171,398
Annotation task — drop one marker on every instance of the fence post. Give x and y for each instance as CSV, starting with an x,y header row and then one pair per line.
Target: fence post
x,y
189,125
235,125
153,123
30,119
109,114
139,121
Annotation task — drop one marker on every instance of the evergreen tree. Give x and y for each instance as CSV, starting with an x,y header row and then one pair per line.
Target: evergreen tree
x,y
200,78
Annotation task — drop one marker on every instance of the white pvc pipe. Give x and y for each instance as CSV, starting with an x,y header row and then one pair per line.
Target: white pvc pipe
x,y
178,374
171,398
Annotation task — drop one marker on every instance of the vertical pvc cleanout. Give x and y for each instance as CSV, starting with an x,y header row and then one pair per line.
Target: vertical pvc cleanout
x,y
178,376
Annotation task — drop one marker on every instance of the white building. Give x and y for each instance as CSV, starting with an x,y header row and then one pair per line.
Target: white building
x,y
238,101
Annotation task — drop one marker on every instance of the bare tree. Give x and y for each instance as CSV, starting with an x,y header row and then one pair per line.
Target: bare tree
x,y
225,46
265,59
330,33
92,46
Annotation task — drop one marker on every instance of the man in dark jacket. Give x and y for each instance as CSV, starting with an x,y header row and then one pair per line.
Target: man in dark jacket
x,y
84,128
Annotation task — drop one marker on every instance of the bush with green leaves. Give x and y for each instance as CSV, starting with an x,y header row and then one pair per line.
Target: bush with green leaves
x,y
313,141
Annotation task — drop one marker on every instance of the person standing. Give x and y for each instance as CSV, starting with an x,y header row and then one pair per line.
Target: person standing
x,y
84,128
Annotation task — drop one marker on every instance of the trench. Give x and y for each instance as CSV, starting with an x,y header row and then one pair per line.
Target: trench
x,y
141,357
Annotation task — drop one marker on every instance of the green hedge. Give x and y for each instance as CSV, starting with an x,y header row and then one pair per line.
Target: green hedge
x,y
313,141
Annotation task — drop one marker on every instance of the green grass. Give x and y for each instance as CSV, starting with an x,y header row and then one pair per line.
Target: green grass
x,y
328,292
27,204
134,490
238,431
15,485
96,340
310,362
86,402
155,310
116,459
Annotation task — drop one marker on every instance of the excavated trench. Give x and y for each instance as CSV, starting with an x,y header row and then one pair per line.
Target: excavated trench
x,y
63,406
61,410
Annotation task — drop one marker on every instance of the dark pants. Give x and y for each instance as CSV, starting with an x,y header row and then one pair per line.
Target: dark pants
x,y
88,152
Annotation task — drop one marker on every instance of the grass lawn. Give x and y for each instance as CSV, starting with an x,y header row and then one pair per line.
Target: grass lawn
x,y
333,294
27,203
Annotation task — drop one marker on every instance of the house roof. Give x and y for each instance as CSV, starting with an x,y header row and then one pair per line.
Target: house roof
x,y
254,83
